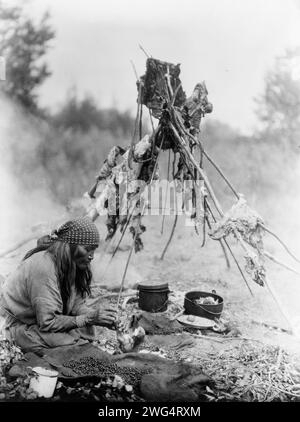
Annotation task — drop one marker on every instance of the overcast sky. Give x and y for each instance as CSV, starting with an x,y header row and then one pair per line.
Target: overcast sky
x,y
230,44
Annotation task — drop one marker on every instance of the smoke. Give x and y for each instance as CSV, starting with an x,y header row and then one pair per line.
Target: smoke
x,y
28,208
26,200
280,210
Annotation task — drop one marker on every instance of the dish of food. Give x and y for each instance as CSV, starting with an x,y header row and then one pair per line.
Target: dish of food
x,y
194,321
209,300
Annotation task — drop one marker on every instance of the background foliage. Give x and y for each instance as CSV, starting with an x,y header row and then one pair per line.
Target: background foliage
x,y
74,141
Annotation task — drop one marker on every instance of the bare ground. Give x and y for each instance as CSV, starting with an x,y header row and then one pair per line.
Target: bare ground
x,y
187,267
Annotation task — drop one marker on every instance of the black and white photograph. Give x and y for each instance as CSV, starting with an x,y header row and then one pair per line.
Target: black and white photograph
x,y
150,197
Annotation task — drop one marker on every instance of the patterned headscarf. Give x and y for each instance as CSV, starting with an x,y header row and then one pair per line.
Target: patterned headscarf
x,y
80,231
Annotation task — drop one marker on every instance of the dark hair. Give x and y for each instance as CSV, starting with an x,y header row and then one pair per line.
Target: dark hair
x,y
67,273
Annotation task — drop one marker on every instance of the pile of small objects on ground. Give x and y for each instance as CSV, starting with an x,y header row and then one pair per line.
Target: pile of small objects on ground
x,y
253,373
110,387
123,376
248,373
17,389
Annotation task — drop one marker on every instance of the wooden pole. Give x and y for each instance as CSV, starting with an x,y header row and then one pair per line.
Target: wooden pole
x,y
165,204
170,238
231,252
201,171
125,271
279,304
287,267
198,142
280,241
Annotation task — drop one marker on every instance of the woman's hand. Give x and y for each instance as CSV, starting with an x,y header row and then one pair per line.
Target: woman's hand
x,y
105,317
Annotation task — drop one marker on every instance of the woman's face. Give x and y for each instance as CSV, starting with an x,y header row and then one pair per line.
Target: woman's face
x,y
83,256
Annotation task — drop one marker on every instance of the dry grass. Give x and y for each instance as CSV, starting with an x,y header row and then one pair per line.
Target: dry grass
x,y
253,373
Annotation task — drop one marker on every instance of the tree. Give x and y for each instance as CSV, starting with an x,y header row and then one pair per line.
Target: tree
x,y
24,43
85,114
279,106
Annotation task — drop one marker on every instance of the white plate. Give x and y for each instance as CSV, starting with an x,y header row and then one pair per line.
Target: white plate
x,y
194,321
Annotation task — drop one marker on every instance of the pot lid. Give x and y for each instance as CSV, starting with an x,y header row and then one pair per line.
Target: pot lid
x,y
153,285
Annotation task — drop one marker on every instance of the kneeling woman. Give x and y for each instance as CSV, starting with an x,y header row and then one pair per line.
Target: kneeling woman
x,y
43,301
